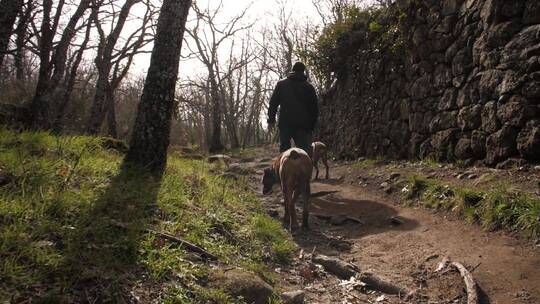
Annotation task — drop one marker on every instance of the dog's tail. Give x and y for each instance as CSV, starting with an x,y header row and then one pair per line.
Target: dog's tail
x,y
294,155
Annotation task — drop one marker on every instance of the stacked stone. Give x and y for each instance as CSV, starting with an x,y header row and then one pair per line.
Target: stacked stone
x,y
466,86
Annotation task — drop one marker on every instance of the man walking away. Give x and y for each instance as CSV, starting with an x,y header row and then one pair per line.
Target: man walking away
x,y
298,110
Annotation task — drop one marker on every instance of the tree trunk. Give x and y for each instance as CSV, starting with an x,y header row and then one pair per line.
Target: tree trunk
x,y
20,32
104,66
9,9
111,114
207,130
216,144
48,86
233,136
39,108
150,139
71,78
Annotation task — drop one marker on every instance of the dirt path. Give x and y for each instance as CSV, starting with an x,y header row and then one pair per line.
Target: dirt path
x,y
404,252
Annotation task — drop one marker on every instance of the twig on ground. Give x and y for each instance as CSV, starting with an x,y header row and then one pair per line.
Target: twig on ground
x,y
475,266
190,246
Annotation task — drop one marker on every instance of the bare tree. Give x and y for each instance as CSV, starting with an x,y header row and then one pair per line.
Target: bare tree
x,y
71,75
123,59
9,9
104,63
333,11
207,46
195,103
52,68
148,145
20,41
278,42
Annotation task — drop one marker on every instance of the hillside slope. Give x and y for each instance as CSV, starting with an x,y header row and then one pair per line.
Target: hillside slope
x,y
77,227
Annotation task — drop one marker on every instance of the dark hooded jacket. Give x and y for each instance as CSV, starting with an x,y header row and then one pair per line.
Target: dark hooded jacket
x,y
297,103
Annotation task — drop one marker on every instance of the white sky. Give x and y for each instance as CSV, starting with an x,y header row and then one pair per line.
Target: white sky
x,y
260,11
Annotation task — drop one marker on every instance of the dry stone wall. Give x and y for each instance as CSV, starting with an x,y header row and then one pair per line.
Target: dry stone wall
x,y
464,85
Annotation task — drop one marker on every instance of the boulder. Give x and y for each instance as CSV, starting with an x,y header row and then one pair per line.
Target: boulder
x,y
531,13
462,62
528,141
293,297
443,120
441,140
513,9
515,112
469,118
478,144
501,145
463,149
498,35
490,122
442,77
451,6
489,84
448,100
531,89
240,283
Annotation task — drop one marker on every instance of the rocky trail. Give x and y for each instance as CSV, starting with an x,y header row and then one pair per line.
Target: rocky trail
x,y
370,228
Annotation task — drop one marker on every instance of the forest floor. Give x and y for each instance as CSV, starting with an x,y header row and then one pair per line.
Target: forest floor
x,y
77,226
399,219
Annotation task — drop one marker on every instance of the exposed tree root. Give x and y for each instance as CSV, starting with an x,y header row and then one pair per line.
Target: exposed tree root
x,y
470,283
472,294
373,282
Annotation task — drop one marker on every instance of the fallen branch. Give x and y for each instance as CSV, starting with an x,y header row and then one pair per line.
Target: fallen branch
x,y
472,295
336,266
373,282
190,246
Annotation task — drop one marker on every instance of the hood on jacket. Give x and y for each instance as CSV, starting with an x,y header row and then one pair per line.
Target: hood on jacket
x,y
297,76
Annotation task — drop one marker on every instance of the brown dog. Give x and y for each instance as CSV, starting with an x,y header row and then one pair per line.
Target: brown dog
x,y
319,152
292,169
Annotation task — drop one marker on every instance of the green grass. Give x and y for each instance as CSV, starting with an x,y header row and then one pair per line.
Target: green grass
x,y
416,185
430,161
71,219
498,208
365,164
245,153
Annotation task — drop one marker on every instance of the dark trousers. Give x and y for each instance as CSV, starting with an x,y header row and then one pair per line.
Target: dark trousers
x,y
302,139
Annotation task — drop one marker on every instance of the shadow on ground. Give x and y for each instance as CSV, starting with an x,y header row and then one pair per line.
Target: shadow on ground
x,y
330,181
102,251
375,217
